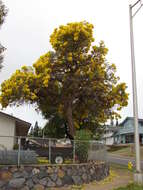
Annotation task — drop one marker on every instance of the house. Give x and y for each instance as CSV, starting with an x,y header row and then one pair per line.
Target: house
x,y
10,128
108,136
125,133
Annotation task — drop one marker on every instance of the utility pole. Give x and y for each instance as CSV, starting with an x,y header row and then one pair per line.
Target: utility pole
x,y
138,177
43,133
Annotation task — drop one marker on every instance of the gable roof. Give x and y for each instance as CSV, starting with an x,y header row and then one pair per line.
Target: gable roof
x,y
27,124
124,130
129,118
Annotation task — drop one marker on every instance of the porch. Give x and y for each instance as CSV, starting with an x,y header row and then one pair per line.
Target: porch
x,y
127,138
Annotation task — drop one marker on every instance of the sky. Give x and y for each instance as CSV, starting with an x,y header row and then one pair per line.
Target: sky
x,y
27,30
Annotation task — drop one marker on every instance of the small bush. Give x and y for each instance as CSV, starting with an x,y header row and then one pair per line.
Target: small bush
x,y
82,143
68,161
43,161
15,147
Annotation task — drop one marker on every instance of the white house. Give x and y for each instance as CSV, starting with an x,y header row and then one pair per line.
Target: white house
x,y
108,136
10,127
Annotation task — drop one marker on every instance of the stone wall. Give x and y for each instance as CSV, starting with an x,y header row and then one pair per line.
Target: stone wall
x,y
43,177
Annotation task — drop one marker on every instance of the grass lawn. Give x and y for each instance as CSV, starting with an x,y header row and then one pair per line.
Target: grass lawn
x,y
131,187
126,152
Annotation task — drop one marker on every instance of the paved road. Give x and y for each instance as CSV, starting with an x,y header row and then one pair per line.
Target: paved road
x,y
120,160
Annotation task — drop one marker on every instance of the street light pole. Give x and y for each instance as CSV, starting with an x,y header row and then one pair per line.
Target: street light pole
x,y
138,176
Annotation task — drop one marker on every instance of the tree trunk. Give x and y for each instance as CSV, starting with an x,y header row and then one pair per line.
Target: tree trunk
x,y
70,119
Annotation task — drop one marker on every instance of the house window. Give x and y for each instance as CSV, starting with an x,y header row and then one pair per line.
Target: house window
x,y
129,138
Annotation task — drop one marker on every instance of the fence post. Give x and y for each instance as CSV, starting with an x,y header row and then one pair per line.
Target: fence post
x,y
105,152
73,151
19,148
49,150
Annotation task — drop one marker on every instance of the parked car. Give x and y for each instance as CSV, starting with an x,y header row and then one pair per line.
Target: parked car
x,y
55,150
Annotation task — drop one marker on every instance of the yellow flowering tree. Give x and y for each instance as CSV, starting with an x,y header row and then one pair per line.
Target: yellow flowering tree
x,y
3,13
74,80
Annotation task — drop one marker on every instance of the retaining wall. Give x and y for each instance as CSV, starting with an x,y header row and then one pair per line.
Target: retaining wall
x,y
42,177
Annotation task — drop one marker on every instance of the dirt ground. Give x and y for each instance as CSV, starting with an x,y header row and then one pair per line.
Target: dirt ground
x,y
118,177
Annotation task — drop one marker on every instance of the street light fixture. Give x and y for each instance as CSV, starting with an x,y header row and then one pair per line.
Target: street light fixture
x,y
138,176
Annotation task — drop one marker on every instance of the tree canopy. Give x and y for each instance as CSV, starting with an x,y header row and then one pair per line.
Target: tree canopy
x,y
74,80
55,128
3,13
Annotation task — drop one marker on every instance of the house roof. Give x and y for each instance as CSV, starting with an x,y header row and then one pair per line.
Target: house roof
x,y
127,118
25,123
130,130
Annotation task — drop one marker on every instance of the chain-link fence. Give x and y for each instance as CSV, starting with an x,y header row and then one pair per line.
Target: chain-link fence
x,y
32,150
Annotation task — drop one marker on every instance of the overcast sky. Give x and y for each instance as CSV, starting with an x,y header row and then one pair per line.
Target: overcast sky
x,y
29,24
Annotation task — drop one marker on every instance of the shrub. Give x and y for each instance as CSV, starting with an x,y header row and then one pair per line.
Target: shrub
x,y
15,147
68,161
43,161
82,143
